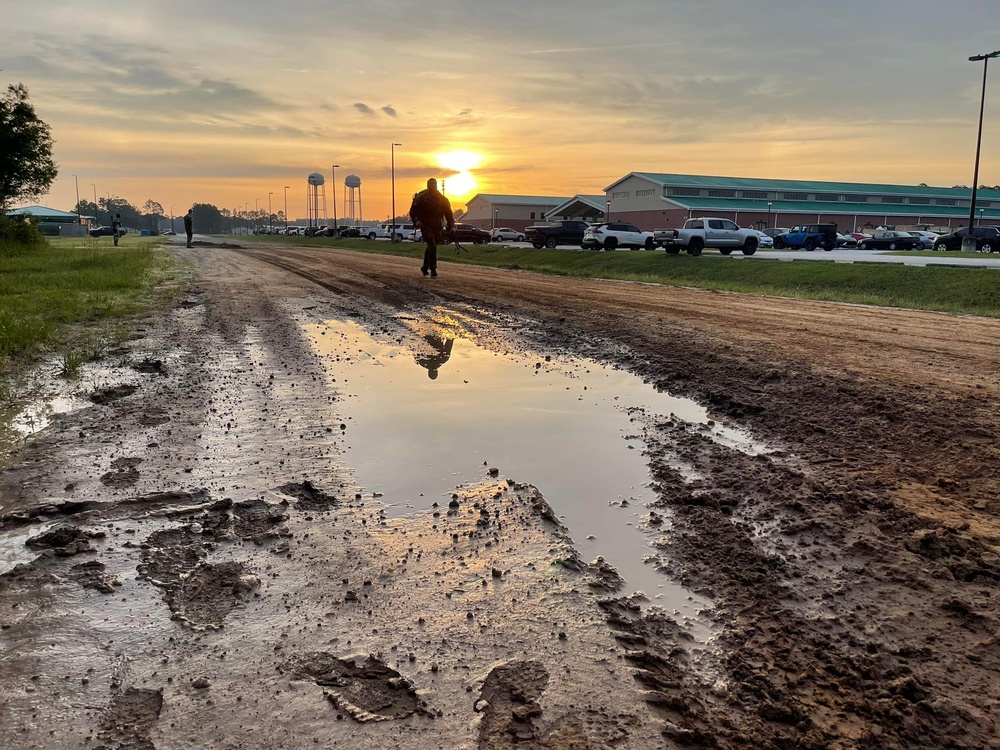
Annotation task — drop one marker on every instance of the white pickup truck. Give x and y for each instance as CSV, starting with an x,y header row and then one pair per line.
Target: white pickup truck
x,y
698,234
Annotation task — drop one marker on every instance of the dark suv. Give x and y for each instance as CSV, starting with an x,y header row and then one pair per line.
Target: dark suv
x,y
989,237
809,236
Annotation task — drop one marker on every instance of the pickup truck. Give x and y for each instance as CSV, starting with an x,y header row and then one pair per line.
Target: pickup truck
x,y
567,232
698,234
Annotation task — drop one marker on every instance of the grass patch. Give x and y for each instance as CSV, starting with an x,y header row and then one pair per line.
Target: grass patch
x,y
956,290
942,254
46,288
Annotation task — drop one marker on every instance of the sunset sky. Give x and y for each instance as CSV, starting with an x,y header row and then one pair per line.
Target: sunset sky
x,y
222,102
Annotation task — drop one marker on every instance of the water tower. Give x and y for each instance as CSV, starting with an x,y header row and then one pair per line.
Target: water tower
x,y
316,199
352,198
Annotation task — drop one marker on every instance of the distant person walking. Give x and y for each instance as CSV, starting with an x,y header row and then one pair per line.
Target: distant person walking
x,y
431,212
116,228
189,226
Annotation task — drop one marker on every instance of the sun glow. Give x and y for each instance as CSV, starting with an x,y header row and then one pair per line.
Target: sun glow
x,y
460,161
459,185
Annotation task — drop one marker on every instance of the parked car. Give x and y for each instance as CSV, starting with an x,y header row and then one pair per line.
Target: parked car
x,y
566,232
403,232
858,235
809,237
103,232
926,239
765,240
891,239
953,241
846,240
506,234
615,234
987,239
468,233
707,231
773,232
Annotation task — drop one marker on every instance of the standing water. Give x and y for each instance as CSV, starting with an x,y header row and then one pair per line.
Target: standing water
x,y
423,423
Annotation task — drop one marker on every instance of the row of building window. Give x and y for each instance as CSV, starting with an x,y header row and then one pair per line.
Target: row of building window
x,y
825,197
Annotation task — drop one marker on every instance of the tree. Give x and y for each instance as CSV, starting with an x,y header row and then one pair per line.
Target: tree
x,y
207,219
153,213
26,166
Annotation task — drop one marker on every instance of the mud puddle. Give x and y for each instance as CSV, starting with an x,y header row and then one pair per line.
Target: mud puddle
x,y
424,421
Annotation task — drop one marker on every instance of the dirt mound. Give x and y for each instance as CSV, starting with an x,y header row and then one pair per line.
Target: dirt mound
x,y
123,474
372,691
91,575
114,393
205,595
309,496
62,540
126,723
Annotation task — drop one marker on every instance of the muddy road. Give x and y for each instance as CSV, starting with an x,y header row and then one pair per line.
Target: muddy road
x,y
323,501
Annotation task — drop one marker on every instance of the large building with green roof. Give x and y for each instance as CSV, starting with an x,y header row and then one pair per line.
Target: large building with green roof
x,y
652,200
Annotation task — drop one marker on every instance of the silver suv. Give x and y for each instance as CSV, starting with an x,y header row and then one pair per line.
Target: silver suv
x,y
615,234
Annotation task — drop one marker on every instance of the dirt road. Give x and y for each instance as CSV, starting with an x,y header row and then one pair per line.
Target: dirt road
x,y
191,561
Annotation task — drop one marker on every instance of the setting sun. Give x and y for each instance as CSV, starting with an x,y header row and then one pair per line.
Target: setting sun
x,y
459,185
460,161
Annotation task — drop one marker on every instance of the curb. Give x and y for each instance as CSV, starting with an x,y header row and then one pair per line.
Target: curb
x,y
878,263
956,265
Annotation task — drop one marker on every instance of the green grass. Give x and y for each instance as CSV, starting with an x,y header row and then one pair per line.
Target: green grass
x,y
942,254
969,291
64,282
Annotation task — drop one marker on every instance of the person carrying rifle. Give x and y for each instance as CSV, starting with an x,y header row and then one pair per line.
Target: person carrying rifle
x,y
431,212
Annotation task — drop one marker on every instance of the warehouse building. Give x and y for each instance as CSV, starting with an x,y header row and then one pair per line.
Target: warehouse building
x,y
515,211
650,200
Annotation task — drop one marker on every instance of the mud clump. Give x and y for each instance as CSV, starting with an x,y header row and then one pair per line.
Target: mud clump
x,y
370,692
309,496
207,594
150,366
62,541
123,474
509,703
257,521
126,723
91,575
112,394
18,518
197,592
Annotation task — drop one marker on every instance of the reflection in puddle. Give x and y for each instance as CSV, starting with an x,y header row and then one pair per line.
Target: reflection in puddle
x,y
416,433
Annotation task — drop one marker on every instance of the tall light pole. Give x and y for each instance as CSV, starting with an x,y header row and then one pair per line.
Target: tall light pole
x,y
981,216
392,182
246,214
172,216
979,136
286,208
256,214
333,179
768,214
270,221
607,211
96,207
77,181
496,212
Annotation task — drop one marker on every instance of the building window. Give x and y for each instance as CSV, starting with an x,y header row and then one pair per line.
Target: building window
x,y
621,195
721,193
892,199
685,191
796,196
856,198
944,201
830,197
532,214
920,201
644,193
759,194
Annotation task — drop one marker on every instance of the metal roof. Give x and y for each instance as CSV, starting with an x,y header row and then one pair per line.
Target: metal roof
x,y
806,186
41,212
594,201
520,200
825,207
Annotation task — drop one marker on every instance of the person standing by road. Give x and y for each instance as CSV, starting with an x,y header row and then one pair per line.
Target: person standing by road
x,y
430,212
116,228
189,226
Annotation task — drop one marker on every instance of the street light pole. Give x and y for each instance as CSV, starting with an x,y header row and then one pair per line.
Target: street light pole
x,y
769,214
77,181
496,212
333,179
980,216
392,182
607,211
286,209
246,214
270,222
95,200
172,217
979,136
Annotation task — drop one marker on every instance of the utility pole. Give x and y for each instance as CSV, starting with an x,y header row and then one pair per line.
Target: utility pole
x,y
333,179
77,181
979,136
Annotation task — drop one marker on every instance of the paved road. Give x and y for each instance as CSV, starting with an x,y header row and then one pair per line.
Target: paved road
x,y
974,260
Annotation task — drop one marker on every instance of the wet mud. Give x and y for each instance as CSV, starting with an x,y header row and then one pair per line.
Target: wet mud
x,y
247,590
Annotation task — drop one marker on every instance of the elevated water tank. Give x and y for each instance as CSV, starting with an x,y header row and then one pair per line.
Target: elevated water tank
x,y
316,179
